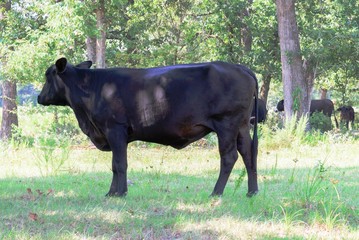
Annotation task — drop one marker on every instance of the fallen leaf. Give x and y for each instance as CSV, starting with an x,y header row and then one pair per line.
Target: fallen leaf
x,y
39,192
33,216
334,181
50,191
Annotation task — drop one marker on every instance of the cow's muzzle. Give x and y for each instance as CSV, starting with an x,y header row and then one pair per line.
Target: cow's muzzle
x,y
41,100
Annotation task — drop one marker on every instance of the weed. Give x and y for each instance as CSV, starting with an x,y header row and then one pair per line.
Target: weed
x,y
313,183
291,217
51,153
331,215
239,180
291,178
274,168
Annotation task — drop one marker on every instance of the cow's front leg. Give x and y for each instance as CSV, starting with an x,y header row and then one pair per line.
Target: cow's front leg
x,y
117,139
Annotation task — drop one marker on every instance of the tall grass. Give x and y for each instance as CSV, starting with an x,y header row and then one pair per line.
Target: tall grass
x,y
292,133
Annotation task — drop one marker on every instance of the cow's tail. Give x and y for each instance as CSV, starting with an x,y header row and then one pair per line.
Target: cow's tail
x,y
335,119
254,146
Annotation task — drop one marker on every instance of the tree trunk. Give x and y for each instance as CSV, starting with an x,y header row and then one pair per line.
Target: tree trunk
x,y
246,33
101,39
310,72
295,87
263,92
91,48
9,111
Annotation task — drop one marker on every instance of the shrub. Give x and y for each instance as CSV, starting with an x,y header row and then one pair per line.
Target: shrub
x,y
293,132
19,139
320,122
274,120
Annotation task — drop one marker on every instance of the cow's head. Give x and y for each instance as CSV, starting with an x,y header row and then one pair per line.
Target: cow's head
x,y
280,106
54,90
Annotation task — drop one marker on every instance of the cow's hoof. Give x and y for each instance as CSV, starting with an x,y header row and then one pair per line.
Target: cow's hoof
x,y
215,195
116,194
251,194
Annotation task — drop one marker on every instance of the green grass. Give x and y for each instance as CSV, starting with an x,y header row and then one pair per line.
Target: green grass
x,y
305,193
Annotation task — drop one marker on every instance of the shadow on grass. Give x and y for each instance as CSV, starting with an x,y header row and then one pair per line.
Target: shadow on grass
x,y
166,206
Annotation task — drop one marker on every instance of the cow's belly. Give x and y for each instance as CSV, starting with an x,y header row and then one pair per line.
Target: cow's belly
x,y
101,143
174,136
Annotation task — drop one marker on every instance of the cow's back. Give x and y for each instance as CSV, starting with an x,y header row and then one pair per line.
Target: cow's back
x,y
322,105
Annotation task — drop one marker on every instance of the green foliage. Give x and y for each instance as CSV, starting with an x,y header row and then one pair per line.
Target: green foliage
x,y
151,33
292,134
328,31
35,34
314,183
297,99
20,139
320,121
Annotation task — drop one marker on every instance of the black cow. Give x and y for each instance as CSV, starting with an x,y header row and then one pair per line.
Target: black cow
x,y
346,115
173,105
325,106
262,111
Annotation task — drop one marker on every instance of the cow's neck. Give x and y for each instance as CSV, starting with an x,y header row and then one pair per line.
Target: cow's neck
x,y
80,96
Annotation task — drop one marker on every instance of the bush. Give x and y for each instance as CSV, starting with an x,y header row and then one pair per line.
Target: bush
x,y
19,139
292,134
320,122
274,120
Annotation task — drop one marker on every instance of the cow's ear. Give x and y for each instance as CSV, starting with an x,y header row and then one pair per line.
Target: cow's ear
x,y
86,64
61,65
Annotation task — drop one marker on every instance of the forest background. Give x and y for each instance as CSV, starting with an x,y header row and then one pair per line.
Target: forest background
x,y
164,32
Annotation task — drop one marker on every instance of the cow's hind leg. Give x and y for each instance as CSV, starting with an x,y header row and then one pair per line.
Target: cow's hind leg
x,y
244,145
228,153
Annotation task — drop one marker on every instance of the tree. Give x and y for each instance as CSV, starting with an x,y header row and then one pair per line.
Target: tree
x,y
329,31
265,50
34,33
296,95
9,113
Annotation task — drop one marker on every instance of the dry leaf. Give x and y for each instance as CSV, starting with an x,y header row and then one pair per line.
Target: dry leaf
x,y
50,191
33,216
39,192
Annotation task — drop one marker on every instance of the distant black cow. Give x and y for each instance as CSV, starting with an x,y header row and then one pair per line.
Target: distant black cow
x,y
173,105
325,106
347,115
262,111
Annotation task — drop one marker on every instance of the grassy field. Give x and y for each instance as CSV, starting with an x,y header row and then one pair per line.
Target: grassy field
x,y
305,193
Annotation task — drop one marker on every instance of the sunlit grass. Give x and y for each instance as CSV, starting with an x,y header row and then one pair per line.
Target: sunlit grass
x,y
168,196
